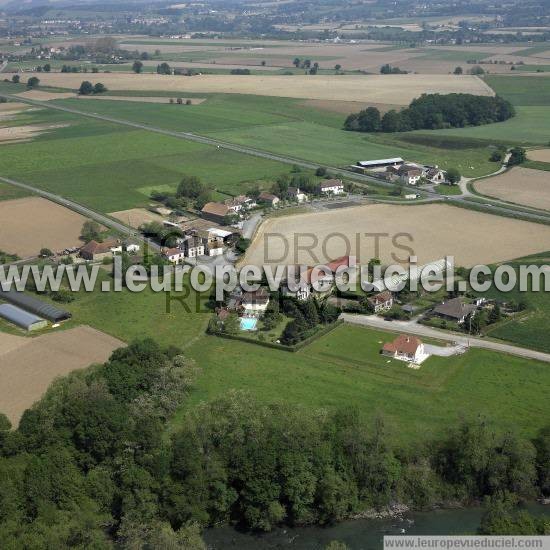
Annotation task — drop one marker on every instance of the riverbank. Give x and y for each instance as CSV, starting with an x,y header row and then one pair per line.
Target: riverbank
x,y
359,534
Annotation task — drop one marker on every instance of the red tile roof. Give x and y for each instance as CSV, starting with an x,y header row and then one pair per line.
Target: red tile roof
x,y
403,345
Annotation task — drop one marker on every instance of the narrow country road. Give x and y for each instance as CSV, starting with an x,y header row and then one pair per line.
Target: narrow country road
x,y
411,327
490,206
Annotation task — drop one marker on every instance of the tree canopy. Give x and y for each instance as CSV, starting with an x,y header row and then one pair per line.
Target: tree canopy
x,y
433,111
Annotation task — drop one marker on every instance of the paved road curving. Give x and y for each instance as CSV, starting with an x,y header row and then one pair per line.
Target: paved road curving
x,y
411,327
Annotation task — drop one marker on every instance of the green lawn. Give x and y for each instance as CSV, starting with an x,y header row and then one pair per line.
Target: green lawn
x,y
521,90
531,125
105,165
345,368
289,127
448,189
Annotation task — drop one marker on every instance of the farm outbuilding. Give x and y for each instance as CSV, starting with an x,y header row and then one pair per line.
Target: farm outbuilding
x,y
22,318
33,305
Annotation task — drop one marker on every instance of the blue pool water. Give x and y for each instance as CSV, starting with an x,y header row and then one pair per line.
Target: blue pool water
x,y
248,323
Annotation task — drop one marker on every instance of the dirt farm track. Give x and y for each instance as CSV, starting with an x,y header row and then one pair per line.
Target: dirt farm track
x,y
394,89
29,365
432,231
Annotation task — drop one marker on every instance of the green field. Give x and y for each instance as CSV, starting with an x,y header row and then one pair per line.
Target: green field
x,y
345,368
8,192
105,165
531,125
522,90
340,369
289,127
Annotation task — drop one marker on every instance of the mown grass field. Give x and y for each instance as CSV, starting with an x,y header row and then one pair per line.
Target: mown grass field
x,y
289,127
522,90
105,165
345,368
529,126
8,192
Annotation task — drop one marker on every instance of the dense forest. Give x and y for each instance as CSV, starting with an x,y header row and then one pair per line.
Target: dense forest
x,y
432,112
92,465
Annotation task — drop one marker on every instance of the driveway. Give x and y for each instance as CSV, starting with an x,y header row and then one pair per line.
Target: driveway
x,y
412,327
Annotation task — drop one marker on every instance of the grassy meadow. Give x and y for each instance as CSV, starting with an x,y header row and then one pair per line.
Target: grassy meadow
x,y
105,165
345,368
289,127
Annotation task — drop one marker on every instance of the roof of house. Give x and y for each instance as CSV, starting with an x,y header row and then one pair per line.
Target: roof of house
x,y
380,298
265,196
404,344
93,247
431,172
409,170
215,208
454,308
173,251
331,183
260,296
238,200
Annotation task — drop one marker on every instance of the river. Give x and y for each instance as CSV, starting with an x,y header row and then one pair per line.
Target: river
x,y
357,534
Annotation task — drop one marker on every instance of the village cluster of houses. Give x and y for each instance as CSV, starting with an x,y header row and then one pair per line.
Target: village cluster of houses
x,y
235,208
397,170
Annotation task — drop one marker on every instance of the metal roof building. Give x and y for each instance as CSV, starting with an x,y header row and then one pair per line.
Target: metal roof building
x,y
33,305
21,318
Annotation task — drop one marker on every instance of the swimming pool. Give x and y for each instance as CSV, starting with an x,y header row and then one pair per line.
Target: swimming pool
x,y
248,323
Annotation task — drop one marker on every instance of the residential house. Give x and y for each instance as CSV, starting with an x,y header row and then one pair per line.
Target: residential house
x,y
95,251
331,187
174,255
295,194
241,202
435,175
214,240
131,246
406,348
409,174
268,198
193,246
255,302
310,281
381,301
217,212
455,310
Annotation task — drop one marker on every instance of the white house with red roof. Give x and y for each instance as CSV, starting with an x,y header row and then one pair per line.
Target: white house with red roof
x,y
406,348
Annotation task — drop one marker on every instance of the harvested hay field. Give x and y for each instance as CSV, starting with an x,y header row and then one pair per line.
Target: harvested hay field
x,y
432,231
29,365
32,223
347,107
134,217
519,185
39,95
144,99
13,107
392,89
542,155
12,134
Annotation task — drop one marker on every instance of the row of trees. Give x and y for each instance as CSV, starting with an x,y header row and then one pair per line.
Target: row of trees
x,y
433,111
89,465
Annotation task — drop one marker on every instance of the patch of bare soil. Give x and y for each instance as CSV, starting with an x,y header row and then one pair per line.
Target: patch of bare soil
x,y
32,223
29,365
